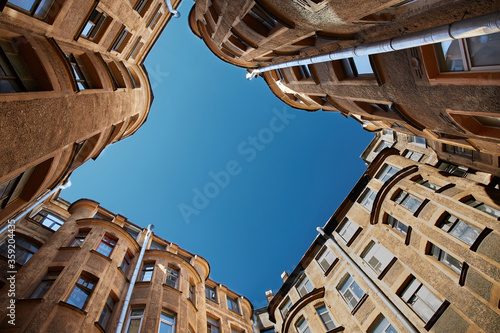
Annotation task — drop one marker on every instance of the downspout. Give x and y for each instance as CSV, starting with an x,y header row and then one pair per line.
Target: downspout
x,y
119,325
172,10
478,26
34,204
406,323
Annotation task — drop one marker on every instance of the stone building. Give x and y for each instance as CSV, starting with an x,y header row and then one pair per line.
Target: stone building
x,y
75,263
72,81
412,248
446,92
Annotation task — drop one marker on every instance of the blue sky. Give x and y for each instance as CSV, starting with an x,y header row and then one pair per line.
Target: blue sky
x,y
280,172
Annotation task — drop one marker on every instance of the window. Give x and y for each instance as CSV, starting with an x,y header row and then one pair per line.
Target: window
x,y
302,326
232,304
479,53
147,272
458,150
212,325
36,8
377,257
413,155
285,307
167,323
45,284
211,293
483,207
132,232
302,72
325,259
15,75
326,317
416,140
172,277
48,219
137,47
397,225
96,21
106,245
459,229
356,67
421,299
387,172
135,320
408,201
455,170
347,230
82,291
233,330
79,238
445,258
382,325
260,21
116,75
102,216
192,293
368,198
428,184
382,145
121,40
304,286
127,259
106,311
350,291
25,249
155,18
157,246
142,6
81,75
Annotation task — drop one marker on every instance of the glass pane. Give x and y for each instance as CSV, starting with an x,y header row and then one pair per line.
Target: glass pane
x,y
449,56
488,121
484,50
357,290
465,232
363,65
135,325
77,297
41,289
104,249
165,328
43,8
24,4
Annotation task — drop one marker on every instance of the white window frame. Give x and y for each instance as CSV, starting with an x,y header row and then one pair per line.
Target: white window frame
x,y
386,172
414,155
377,257
368,198
347,230
408,200
134,317
304,286
302,326
349,293
445,258
326,317
325,259
481,206
285,307
458,228
420,299
382,325
396,225
172,278
164,318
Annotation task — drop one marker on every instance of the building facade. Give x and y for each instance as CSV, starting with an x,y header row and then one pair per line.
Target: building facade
x,y
72,81
74,265
441,92
412,248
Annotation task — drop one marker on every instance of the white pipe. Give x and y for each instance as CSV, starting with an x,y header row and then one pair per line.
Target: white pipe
x,y
172,10
34,204
119,325
406,323
478,26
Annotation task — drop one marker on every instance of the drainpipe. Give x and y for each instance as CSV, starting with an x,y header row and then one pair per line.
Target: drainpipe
x,y
34,204
119,325
406,323
172,10
478,26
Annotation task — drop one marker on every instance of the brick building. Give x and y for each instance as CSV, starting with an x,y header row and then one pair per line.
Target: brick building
x,y
446,92
75,263
72,81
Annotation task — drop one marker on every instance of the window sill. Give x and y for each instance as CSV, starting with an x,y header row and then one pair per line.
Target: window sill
x,y
171,288
123,274
337,329
100,255
239,314
30,300
70,248
360,303
143,283
99,327
211,300
331,266
72,307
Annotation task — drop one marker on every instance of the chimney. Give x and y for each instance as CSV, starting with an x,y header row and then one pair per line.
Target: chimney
x,y
284,276
269,296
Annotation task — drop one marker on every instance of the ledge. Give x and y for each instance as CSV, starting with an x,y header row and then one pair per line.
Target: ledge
x,y
100,255
332,266
30,300
99,327
74,308
174,289
123,274
70,248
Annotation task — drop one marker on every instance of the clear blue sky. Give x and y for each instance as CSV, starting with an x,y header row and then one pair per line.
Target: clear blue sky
x,y
288,173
